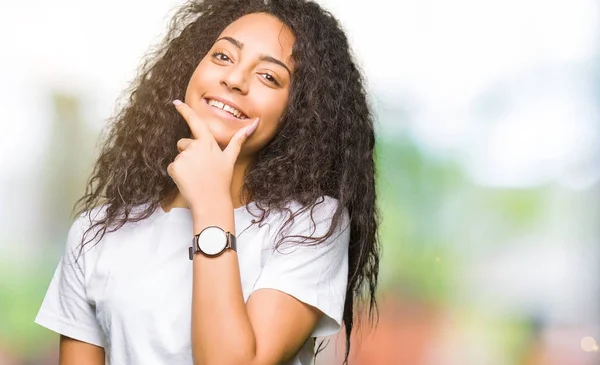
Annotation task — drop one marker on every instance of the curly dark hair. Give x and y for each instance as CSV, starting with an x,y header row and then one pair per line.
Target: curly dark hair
x,y
324,144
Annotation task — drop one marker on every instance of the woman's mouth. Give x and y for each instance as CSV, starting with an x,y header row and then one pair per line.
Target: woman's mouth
x,y
227,108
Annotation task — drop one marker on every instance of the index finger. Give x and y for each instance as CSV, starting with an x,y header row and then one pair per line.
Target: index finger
x,y
198,128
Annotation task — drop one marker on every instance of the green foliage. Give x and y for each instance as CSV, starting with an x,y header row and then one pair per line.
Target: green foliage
x,y
22,289
433,217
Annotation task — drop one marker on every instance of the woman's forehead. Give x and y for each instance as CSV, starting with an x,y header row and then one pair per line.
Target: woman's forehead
x,y
262,33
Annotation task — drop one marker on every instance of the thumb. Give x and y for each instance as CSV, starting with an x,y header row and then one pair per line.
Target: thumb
x,y
238,139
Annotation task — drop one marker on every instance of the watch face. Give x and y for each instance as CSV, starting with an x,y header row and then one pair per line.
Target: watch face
x,y
212,240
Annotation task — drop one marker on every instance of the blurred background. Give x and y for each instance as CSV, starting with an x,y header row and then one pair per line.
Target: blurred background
x,y
488,156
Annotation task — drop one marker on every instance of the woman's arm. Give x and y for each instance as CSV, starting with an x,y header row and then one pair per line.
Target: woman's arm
x,y
271,328
75,352
274,325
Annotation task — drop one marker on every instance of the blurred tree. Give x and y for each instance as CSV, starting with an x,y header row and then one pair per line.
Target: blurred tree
x,y
61,181
68,163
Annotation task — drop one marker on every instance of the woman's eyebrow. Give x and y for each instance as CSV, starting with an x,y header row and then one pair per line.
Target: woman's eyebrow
x,y
233,41
275,61
265,58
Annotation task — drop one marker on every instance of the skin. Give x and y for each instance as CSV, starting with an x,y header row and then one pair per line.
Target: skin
x,y
225,147
260,88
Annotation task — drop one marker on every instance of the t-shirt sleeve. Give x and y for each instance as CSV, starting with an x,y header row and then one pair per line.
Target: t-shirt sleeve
x,y
314,274
65,308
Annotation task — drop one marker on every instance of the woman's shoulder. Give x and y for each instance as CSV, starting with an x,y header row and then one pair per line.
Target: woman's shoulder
x,y
324,207
92,221
323,204
99,213
93,214
299,217
86,219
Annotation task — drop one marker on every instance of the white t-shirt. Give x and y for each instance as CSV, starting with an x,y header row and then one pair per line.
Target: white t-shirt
x,y
131,293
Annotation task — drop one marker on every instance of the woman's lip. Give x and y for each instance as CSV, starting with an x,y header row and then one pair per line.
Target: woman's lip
x,y
222,113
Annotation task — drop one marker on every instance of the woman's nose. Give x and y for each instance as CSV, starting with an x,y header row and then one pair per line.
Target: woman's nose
x,y
235,80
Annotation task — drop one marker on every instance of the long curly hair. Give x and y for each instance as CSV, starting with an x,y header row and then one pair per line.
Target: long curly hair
x,y
324,144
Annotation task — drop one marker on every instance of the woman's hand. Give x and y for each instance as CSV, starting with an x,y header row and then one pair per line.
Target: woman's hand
x,y
201,170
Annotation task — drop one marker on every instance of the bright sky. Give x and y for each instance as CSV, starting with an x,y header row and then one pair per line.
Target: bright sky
x,y
530,61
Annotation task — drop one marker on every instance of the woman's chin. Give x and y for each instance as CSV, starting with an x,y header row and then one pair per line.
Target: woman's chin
x,y
221,135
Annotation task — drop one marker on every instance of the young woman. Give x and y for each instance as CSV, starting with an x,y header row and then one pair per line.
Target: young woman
x,y
248,137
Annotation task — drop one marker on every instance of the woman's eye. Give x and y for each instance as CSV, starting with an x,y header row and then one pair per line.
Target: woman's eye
x,y
221,56
270,78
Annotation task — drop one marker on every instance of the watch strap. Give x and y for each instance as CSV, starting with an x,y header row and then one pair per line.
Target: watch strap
x,y
231,241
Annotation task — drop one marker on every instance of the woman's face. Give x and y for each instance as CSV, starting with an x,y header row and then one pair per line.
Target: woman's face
x,y
246,74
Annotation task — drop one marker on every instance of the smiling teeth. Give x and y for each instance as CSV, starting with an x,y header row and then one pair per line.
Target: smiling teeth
x,y
236,113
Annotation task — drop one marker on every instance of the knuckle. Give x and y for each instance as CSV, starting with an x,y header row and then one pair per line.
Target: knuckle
x,y
174,168
194,144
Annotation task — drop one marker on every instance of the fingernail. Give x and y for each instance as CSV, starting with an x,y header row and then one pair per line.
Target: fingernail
x,y
177,102
253,127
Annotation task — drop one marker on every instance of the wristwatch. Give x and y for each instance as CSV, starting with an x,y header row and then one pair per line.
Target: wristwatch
x,y
212,241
